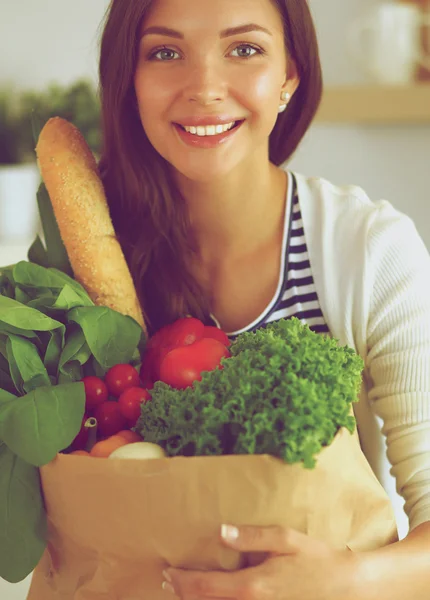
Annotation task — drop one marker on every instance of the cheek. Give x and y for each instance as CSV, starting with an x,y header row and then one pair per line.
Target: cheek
x,y
266,87
259,90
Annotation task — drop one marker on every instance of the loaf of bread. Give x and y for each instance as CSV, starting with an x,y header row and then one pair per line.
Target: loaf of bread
x,y
70,174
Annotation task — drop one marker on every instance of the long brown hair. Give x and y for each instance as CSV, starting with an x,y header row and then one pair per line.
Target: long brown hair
x,y
148,211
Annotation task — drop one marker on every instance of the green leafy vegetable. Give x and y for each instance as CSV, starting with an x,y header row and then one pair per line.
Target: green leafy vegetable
x,y
51,335
25,357
23,528
55,254
285,391
39,425
97,324
18,315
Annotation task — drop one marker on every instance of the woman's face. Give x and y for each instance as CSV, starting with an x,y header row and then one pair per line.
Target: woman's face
x,y
200,70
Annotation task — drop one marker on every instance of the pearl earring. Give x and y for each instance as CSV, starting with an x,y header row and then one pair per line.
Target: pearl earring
x,y
286,97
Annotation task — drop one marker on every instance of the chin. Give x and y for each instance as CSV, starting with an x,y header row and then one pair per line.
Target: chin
x,y
208,172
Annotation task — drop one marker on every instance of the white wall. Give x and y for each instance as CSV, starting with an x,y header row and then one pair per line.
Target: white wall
x,y
389,162
49,40
57,40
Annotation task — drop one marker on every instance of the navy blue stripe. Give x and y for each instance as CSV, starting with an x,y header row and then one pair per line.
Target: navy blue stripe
x,y
302,299
299,282
302,264
298,249
298,232
319,328
308,314
296,216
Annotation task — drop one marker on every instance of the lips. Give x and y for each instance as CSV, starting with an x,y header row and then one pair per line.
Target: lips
x,y
207,141
236,123
207,121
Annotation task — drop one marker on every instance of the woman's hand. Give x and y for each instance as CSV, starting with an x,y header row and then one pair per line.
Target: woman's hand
x,y
298,567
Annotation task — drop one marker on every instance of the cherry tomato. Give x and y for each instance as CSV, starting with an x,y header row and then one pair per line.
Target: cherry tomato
x,y
96,392
121,377
183,366
130,402
216,334
110,420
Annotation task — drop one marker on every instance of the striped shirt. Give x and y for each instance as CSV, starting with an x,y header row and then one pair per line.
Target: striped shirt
x,y
296,295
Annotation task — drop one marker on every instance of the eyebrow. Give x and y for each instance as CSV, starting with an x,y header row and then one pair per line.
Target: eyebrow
x,y
225,33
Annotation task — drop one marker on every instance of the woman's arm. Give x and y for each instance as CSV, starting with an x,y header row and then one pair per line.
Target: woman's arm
x,y
397,572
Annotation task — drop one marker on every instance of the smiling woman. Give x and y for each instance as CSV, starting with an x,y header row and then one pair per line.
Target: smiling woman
x,y
202,103
165,65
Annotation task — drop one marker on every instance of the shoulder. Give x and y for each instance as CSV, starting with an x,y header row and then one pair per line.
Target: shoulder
x,y
348,207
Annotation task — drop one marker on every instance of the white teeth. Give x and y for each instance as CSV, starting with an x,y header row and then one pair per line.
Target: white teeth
x,y
210,129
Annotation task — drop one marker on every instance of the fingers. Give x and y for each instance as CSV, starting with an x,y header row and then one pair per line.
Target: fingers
x,y
274,539
190,585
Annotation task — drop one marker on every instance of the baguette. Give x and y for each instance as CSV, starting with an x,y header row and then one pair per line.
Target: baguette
x,y
69,171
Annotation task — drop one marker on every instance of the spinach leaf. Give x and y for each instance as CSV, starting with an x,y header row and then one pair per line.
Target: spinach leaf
x,y
56,254
6,396
6,282
23,526
71,372
21,296
43,422
21,316
27,361
76,349
111,336
37,253
9,329
71,298
15,374
31,275
53,352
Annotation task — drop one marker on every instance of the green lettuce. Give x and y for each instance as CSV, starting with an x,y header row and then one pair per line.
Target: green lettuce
x,y
285,391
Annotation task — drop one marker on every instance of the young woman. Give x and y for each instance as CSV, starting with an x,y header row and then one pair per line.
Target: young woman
x,y
202,103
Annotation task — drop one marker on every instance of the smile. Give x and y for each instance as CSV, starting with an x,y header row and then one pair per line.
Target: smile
x,y
209,136
210,130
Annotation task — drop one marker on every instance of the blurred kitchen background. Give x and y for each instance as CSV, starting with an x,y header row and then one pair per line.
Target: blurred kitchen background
x,y
373,128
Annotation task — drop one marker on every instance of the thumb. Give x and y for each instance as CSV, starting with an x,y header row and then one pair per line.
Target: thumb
x,y
275,539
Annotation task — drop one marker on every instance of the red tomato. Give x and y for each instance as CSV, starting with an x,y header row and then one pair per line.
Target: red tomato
x,y
182,332
216,334
96,392
181,367
121,377
130,402
110,420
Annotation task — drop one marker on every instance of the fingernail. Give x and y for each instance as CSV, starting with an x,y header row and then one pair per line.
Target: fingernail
x,y
229,533
167,587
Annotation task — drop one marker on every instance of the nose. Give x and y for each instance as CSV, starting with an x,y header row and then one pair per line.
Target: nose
x,y
206,83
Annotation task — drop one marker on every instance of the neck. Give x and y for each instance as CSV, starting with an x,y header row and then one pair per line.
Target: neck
x,y
237,214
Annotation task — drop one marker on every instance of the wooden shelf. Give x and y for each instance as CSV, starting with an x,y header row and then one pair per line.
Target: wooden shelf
x,y
376,104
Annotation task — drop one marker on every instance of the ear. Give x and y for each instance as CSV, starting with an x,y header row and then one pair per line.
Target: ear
x,y
292,80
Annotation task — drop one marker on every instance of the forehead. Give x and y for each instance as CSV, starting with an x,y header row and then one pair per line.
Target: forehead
x,y
195,16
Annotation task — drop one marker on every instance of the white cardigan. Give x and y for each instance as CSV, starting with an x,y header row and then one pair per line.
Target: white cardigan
x,y
372,274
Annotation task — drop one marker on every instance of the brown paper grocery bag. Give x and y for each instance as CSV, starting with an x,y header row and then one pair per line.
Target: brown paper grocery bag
x,y
115,524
